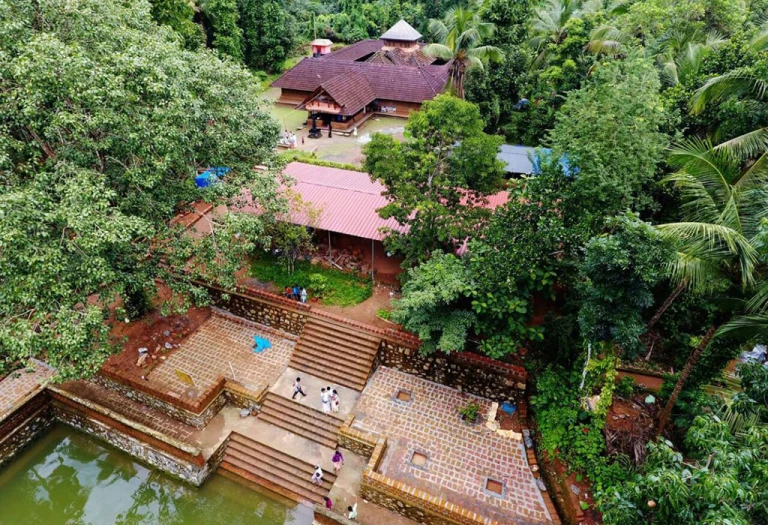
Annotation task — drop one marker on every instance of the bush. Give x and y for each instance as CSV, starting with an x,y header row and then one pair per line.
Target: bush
x,y
470,412
317,284
626,387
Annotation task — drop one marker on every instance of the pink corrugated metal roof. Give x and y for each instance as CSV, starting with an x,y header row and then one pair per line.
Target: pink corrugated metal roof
x,y
348,199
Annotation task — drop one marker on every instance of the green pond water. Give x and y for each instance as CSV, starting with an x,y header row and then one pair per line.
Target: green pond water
x,y
69,478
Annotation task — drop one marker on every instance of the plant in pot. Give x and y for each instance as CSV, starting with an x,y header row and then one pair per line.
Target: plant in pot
x,y
470,412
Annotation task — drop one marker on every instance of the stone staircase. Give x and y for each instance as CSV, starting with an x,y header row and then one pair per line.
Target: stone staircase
x,y
275,470
336,352
300,419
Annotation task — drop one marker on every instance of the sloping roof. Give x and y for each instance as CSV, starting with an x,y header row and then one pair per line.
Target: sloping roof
x,y
401,57
517,158
355,51
321,42
348,200
388,82
401,31
351,91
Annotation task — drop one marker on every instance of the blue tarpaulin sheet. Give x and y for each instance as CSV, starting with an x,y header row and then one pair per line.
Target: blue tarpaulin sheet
x,y
210,176
260,344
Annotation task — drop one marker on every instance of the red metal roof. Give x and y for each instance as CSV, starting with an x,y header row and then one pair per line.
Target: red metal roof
x,y
348,200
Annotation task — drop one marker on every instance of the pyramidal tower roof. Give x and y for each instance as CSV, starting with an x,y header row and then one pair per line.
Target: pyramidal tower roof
x,y
401,31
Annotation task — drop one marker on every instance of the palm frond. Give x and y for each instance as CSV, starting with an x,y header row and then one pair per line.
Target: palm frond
x,y
710,244
486,53
734,83
759,42
438,51
753,326
748,145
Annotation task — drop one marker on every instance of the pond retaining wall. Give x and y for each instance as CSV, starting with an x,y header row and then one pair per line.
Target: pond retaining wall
x,y
19,427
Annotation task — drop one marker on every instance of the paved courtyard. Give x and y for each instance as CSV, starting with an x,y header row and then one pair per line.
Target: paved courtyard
x,y
221,345
459,457
20,385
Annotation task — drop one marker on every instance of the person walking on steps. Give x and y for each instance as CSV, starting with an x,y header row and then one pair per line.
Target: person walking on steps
x,y
328,502
335,401
352,512
317,477
325,397
338,460
297,389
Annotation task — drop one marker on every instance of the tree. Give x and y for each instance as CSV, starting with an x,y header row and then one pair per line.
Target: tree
x,y
619,269
179,15
224,33
437,179
609,130
549,25
105,121
290,238
514,263
459,40
434,304
267,33
496,87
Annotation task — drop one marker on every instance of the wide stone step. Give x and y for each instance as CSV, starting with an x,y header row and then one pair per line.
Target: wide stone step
x,y
338,332
278,467
327,420
271,481
333,356
355,348
340,328
348,378
273,469
291,423
262,450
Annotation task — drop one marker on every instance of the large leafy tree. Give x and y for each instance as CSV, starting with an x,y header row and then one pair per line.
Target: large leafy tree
x,y
179,15
268,34
619,269
435,303
460,39
609,130
224,33
105,119
437,179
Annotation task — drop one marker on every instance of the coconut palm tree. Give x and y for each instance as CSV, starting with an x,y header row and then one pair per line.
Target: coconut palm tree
x,y
725,204
549,25
459,37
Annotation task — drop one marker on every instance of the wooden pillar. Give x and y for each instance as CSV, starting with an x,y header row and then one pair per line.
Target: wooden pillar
x,y
330,252
372,254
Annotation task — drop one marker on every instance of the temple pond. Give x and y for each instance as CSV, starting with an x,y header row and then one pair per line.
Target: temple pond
x,y
69,478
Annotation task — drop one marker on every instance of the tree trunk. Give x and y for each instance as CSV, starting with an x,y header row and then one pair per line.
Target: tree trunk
x,y
692,360
667,303
655,319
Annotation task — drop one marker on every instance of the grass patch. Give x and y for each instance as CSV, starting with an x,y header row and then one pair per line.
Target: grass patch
x,y
341,288
310,158
384,314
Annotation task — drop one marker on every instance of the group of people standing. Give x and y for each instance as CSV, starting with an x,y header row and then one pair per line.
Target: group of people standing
x,y
289,139
329,397
296,292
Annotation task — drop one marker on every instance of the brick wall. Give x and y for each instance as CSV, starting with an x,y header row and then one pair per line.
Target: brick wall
x,y
19,428
197,412
262,307
359,442
464,371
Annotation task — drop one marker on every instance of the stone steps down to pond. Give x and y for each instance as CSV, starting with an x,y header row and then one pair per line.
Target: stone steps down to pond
x,y
336,352
301,419
270,468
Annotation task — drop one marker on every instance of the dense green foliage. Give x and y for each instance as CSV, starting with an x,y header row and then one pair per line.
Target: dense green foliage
x,y
105,119
267,32
437,180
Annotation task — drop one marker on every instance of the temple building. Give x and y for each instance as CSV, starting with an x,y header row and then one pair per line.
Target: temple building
x,y
390,75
